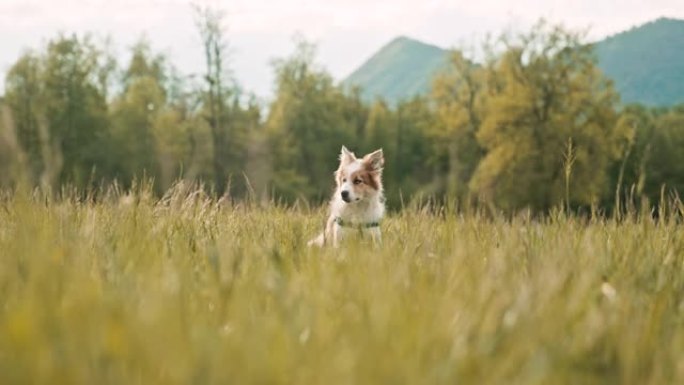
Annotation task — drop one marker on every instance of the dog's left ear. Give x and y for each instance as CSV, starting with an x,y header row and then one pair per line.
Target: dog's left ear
x,y
346,156
375,160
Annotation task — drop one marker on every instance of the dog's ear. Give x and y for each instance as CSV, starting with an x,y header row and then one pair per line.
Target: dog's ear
x,y
346,156
375,160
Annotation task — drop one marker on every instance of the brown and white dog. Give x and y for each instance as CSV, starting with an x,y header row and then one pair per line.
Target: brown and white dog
x,y
358,204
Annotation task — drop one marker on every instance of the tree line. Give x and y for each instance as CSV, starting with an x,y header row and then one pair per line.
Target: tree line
x,y
534,125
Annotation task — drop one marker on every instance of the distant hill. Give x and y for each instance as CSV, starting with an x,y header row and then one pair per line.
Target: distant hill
x,y
401,69
646,63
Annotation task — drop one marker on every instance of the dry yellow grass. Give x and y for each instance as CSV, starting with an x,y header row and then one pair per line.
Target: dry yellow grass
x,y
132,290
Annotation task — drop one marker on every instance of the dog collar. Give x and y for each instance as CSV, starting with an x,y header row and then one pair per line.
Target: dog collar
x,y
367,225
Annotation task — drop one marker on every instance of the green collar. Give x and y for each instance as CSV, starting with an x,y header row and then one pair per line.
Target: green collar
x,y
368,225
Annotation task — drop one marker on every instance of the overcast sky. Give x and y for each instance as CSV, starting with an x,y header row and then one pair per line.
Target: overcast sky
x,y
347,32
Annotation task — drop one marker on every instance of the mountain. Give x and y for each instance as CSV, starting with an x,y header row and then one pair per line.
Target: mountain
x,y
645,62
401,69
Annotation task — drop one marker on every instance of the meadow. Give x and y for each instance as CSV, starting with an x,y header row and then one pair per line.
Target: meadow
x,y
132,289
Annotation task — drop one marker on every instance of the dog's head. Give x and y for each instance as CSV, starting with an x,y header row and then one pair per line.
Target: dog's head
x,y
359,179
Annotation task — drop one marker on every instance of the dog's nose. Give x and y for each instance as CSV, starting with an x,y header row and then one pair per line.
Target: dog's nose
x,y
345,195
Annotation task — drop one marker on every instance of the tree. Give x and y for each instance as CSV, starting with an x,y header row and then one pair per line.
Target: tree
x,y
61,112
75,110
23,93
134,112
665,162
12,156
411,169
458,96
210,25
628,175
546,90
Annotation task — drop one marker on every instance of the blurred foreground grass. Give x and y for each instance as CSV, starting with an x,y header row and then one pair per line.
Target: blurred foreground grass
x,y
183,290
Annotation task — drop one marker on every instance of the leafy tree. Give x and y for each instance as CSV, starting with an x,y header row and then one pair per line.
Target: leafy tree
x,y
210,23
61,111
134,113
545,90
23,87
380,131
75,109
636,123
380,125
458,94
13,160
665,162
244,117
410,152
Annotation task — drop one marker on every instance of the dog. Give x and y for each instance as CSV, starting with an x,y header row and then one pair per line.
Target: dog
x,y
358,203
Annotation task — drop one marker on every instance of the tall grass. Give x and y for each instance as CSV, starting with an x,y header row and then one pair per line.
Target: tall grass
x,y
127,289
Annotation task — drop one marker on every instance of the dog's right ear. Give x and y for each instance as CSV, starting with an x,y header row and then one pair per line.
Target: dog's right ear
x,y
346,156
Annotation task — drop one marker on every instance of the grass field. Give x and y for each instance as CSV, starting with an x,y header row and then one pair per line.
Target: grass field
x,y
133,290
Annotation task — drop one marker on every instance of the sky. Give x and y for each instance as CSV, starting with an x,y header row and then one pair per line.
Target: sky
x,y
346,32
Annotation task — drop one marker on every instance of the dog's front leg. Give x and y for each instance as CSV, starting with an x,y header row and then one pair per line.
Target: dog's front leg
x,y
331,232
376,236
337,235
326,236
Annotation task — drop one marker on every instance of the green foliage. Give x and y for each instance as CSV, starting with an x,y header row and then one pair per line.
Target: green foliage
x,y
135,111
651,158
74,116
665,161
636,122
459,99
74,108
184,289
550,91
60,112
411,164
22,99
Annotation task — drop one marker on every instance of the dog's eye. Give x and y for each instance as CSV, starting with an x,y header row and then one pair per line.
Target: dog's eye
x,y
344,180
358,181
